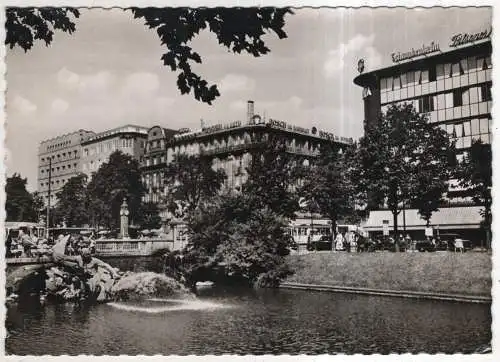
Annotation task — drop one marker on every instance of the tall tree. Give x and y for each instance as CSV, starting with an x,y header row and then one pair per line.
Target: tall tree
x,y
232,240
192,180
327,185
115,180
475,175
150,216
19,202
273,175
237,29
404,159
71,206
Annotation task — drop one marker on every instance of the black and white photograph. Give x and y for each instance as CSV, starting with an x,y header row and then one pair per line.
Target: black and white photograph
x,y
248,180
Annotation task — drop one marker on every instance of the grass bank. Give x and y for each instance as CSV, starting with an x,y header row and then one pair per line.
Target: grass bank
x,y
453,273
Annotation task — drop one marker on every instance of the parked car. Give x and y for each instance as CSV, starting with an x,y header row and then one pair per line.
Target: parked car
x,y
448,241
425,245
324,243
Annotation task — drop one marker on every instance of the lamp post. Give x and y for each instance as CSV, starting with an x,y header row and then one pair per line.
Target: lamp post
x,y
48,198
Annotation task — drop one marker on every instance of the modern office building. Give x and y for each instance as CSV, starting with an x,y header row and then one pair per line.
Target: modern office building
x,y
229,147
58,161
453,87
96,149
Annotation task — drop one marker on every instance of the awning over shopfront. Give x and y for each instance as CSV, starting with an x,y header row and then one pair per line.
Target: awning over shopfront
x,y
446,218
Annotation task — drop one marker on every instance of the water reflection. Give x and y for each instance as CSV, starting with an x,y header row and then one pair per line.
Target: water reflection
x,y
252,322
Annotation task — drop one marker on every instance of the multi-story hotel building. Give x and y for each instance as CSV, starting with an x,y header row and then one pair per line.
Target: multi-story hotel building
x,y
66,156
453,88
228,145
58,161
96,150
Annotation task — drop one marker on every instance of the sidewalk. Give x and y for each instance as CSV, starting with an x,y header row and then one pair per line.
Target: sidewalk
x,y
388,293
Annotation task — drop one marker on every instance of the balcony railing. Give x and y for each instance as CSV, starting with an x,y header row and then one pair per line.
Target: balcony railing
x,y
253,145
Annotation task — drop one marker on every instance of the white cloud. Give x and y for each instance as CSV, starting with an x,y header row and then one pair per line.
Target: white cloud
x,y
141,83
23,105
85,83
68,78
59,105
347,55
96,82
236,83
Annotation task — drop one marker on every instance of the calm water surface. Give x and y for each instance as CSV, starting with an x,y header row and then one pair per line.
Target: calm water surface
x,y
251,322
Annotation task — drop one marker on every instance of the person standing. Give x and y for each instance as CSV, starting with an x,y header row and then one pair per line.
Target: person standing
x,y
339,242
26,242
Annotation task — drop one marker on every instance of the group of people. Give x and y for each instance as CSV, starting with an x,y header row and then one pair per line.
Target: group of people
x,y
350,241
355,242
26,246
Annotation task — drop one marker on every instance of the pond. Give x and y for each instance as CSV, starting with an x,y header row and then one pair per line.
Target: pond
x,y
250,322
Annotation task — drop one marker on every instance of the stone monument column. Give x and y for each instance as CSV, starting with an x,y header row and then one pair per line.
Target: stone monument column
x,y
124,219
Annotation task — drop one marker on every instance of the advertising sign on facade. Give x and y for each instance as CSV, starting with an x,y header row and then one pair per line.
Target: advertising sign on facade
x,y
413,53
464,38
276,123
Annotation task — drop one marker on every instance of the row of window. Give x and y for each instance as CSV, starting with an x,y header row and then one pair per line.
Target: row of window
x,y
59,145
465,66
456,98
465,132
57,183
109,146
440,85
60,168
61,156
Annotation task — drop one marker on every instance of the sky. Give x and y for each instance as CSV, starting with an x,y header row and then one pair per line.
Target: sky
x,y
109,73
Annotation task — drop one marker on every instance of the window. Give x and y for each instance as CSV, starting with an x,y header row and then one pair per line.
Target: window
x,y
456,70
481,64
472,64
397,83
410,78
458,130
465,97
426,104
383,84
485,92
474,96
448,98
464,66
467,128
418,77
439,72
425,77
457,98
483,125
447,70
441,101
404,82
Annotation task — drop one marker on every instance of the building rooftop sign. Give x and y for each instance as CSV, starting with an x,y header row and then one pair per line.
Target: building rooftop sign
x,y
413,53
464,38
